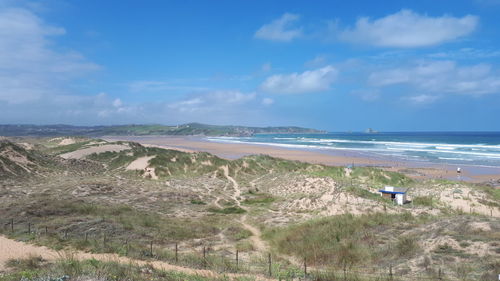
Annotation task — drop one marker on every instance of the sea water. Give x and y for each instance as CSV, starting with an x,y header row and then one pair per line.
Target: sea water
x,y
469,148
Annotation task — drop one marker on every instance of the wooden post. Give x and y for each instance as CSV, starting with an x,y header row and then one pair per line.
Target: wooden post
x,y
151,248
126,247
46,231
176,253
237,260
390,272
439,274
270,264
29,228
204,258
12,225
305,267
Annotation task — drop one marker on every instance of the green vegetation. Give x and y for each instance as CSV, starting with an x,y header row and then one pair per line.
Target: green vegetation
x,y
198,202
68,268
141,130
380,177
228,210
343,239
428,201
70,221
259,199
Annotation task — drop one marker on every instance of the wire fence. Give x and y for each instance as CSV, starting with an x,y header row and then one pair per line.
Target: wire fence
x,y
205,257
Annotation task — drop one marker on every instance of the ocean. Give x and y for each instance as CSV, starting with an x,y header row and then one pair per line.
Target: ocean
x,y
457,148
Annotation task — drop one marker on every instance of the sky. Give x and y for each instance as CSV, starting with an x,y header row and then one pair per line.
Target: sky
x,y
331,65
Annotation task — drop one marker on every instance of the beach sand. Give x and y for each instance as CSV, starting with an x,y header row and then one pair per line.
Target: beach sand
x,y
414,169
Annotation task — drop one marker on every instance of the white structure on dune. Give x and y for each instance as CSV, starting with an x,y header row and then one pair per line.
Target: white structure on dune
x,y
396,194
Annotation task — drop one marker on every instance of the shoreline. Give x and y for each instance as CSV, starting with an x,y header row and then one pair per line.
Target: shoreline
x,y
414,169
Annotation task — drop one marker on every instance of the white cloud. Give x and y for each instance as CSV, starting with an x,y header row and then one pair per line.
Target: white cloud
x,y
30,68
297,83
317,61
151,86
466,53
117,103
212,101
406,29
422,99
266,67
441,77
281,29
267,101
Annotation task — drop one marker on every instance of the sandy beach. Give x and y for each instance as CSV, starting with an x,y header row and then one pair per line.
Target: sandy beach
x,y
413,169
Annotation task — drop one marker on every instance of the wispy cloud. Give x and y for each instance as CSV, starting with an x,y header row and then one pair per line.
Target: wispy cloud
x,y
281,29
150,86
30,67
297,83
466,53
441,77
212,101
407,29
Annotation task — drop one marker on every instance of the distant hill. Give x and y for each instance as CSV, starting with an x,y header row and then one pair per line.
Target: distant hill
x,y
141,130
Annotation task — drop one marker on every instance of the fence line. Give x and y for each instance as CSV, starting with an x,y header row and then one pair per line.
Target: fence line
x,y
203,258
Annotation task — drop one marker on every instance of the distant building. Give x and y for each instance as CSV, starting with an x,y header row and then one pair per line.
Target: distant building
x,y
396,194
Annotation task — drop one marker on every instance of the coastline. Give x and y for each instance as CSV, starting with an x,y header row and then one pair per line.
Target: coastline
x,y
414,169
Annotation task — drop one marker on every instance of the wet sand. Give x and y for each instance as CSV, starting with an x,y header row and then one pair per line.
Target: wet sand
x,y
415,169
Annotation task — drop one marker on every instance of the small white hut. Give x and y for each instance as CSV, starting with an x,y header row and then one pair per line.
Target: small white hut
x,y
396,194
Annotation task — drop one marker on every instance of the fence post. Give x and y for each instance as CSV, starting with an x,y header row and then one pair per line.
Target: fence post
x,y
46,231
29,228
151,247
439,274
204,258
270,263
305,267
237,260
176,253
12,225
390,272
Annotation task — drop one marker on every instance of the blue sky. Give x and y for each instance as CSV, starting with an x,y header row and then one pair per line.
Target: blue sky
x,y
333,65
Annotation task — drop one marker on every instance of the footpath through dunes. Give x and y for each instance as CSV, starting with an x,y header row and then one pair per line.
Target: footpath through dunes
x,y
11,249
259,244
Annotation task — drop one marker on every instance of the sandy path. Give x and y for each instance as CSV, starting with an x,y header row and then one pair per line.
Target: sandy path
x,y
259,244
11,249
140,163
78,154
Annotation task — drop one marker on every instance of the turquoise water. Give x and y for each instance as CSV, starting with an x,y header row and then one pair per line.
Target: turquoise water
x,y
470,148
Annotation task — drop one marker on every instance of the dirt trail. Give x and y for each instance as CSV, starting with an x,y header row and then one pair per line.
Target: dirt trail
x,y
11,249
259,244
237,190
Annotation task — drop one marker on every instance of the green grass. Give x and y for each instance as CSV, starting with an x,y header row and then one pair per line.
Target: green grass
x,y
68,268
259,199
325,241
198,202
118,223
428,201
227,210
